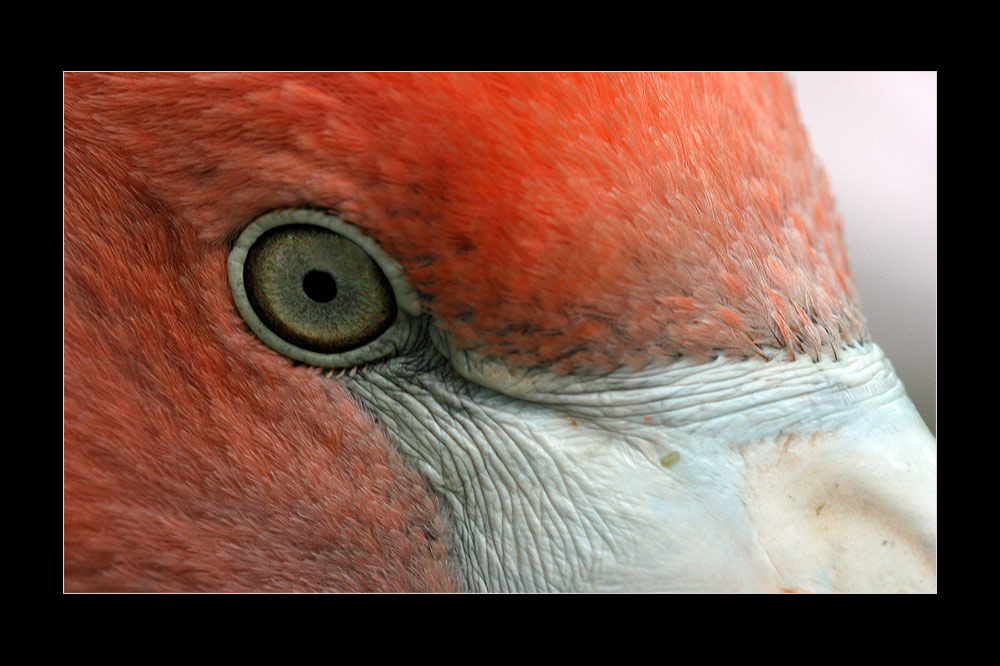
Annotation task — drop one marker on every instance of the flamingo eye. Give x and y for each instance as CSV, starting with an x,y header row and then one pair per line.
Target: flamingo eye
x,y
317,290
308,285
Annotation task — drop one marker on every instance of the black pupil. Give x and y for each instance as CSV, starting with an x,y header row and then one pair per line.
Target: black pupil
x,y
319,286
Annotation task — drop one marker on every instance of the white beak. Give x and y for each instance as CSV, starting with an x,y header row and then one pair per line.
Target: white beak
x,y
728,476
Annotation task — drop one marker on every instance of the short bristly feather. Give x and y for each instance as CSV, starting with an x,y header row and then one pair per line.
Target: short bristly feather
x,y
580,222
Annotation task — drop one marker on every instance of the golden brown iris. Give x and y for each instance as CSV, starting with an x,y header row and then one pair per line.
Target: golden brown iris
x,y
317,290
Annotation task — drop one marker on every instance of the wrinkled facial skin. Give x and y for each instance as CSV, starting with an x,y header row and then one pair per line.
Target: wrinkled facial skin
x,y
625,352
691,478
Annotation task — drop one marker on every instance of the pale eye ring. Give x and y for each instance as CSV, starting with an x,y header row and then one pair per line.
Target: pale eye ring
x,y
318,290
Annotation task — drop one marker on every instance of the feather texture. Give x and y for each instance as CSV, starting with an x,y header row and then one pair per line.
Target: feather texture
x,y
581,221
194,460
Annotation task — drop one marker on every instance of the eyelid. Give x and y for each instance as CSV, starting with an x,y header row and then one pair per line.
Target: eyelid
x,y
406,296
408,305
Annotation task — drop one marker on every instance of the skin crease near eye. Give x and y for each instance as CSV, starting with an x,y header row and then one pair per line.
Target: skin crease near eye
x,y
472,332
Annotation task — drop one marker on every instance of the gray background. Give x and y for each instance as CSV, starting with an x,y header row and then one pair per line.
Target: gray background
x,y
876,133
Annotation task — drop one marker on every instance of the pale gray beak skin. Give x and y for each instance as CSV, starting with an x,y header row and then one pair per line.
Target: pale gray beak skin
x,y
732,476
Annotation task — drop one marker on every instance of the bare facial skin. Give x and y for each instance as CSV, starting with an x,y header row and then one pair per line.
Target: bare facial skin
x,y
733,476
363,331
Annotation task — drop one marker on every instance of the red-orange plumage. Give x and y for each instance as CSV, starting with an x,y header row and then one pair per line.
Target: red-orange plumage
x,y
559,199
598,219
194,460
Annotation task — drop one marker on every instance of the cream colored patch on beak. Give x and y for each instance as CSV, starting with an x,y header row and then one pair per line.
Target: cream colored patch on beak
x,y
853,510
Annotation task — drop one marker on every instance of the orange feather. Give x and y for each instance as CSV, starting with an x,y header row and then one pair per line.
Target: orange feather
x,y
600,220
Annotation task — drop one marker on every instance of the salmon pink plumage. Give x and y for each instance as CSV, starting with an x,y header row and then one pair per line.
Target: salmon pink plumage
x,y
581,224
